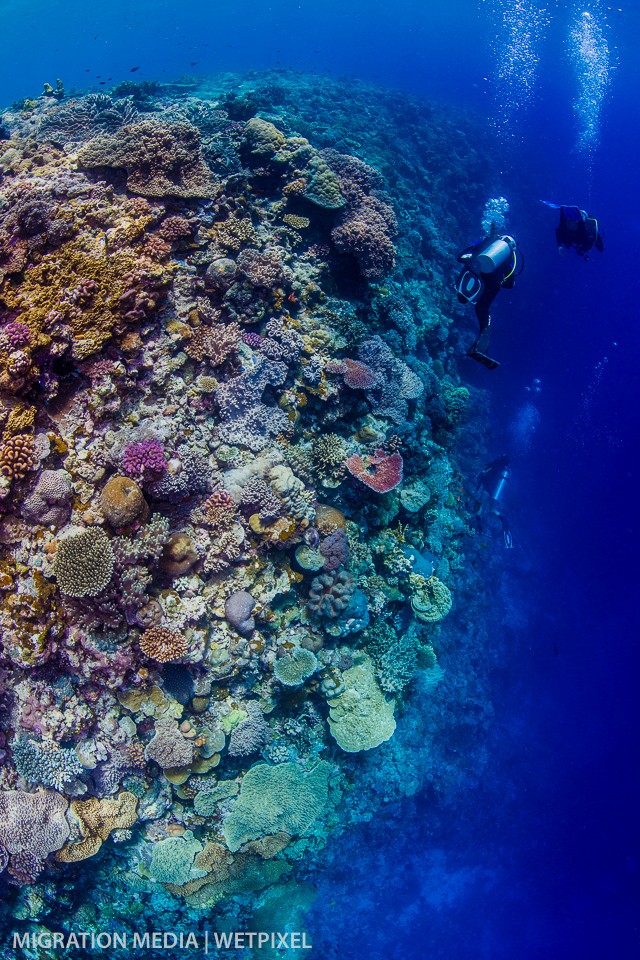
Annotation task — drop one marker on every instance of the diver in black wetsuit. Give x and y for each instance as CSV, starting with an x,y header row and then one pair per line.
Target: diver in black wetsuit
x,y
579,231
490,265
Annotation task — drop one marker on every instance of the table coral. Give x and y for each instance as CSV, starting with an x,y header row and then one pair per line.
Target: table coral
x,y
284,798
161,160
360,718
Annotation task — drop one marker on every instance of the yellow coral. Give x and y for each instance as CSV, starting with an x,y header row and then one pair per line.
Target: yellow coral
x,y
108,286
97,819
431,599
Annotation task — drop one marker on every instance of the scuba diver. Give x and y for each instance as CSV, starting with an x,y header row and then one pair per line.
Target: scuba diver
x,y
577,230
489,265
490,487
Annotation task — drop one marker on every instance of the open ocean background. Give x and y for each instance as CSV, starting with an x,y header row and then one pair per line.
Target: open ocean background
x,y
544,858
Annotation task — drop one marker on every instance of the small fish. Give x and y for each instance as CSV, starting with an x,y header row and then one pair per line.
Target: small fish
x,y
194,63
133,69
102,83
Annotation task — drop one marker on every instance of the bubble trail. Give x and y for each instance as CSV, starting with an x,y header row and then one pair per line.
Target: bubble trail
x,y
519,31
591,61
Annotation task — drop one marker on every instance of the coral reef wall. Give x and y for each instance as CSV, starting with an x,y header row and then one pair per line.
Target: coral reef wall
x,y
236,551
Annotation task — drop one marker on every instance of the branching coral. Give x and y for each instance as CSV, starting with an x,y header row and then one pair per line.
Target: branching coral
x,y
213,344
163,645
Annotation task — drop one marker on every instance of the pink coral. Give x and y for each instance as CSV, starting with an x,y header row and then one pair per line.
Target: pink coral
x,y
381,472
144,460
355,374
18,334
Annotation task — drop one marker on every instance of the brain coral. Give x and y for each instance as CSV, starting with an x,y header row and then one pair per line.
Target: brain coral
x,y
277,799
161,160
84,563
360,718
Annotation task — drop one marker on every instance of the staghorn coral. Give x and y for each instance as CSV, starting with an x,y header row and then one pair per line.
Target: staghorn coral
x,y
161,160
163,645
84,563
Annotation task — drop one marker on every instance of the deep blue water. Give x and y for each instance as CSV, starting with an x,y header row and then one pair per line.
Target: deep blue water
x,y
554,871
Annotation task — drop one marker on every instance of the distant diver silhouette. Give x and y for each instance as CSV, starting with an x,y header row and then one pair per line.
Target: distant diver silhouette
x,y
577,230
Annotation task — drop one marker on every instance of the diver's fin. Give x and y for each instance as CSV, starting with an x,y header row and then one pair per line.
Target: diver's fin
x,y
483,359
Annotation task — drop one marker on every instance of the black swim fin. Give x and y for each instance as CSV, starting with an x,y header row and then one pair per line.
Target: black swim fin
x,y
483,359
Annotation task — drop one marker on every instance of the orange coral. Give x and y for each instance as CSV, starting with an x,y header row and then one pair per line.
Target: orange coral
x,y
17,456
162,644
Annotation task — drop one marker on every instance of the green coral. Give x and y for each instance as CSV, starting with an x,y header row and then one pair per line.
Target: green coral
x,y
295,667
431,599
361,718
395,656
280,799
323,187
172,860
84,563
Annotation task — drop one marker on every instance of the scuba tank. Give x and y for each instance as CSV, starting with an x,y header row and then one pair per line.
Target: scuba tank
x,y
495,254
500,480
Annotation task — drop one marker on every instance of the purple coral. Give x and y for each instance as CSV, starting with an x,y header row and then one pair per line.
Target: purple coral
x,y
335,550
253,340
32,825
238,609
18,334
144,460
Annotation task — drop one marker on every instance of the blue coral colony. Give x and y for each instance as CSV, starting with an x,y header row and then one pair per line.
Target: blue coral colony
x,y
230,514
